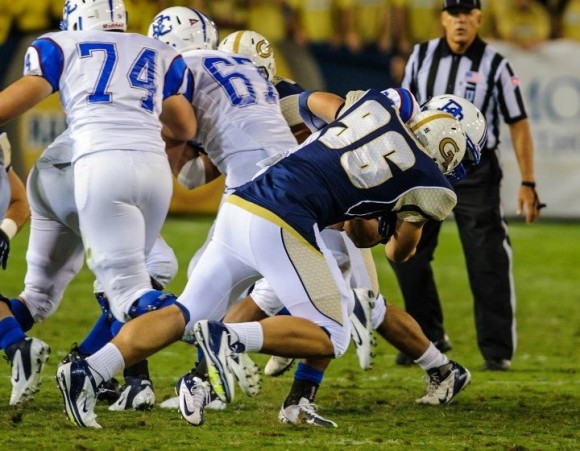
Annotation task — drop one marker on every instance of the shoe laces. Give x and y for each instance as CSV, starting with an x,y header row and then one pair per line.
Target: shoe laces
x,y
200,394
310,408
433,380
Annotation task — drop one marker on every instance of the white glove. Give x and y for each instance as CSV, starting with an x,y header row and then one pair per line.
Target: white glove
x,y
352,97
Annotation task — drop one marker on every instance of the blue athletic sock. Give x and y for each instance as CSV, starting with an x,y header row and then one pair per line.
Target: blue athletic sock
x,y
306,372
10,332
98,337
305,385
116,327
22,314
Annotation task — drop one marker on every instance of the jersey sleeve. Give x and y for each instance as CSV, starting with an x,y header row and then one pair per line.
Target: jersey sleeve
x,y
404,101
422,203
178,79
44,58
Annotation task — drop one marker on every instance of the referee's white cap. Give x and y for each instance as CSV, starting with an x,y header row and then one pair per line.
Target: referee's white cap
x,y
461,4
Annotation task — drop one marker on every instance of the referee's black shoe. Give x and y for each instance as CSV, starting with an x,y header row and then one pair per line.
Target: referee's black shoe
x,y
496,365
443,345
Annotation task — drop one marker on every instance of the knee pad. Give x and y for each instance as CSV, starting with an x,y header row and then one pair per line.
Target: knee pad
x,y
153,300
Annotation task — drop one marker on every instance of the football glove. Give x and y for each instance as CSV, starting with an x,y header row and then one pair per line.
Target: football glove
x,y
4,248
387,225
352,97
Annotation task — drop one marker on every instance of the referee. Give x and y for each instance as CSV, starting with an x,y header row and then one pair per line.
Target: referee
x,y
461,63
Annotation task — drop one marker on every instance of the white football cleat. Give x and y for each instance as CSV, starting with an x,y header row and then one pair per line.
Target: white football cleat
x,y
214,404
304,413
194,395
218,343
276,366
27,358
79,387
136,394
246,372
443,388
361,329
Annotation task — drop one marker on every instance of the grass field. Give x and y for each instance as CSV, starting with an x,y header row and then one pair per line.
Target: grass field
x,y
534,406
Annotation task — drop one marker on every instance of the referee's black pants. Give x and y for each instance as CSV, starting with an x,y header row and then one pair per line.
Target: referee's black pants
x,y
488,255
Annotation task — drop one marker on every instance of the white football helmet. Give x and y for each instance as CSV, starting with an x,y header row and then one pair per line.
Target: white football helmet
x,y
468,115
441,137
185,29
254,46
104,15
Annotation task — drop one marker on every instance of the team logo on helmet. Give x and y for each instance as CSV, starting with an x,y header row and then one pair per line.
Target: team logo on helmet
x,y
448,148
159,26
263,48
67,10
453,108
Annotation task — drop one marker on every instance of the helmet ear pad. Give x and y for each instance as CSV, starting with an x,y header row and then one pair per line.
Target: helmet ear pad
x,y
105,15
441,137
184,29
254,46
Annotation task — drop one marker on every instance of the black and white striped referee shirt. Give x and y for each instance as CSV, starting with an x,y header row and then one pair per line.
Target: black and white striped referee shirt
x,y
481,75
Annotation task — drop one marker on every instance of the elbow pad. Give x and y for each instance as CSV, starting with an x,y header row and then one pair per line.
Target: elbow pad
x,y
192,174
313,122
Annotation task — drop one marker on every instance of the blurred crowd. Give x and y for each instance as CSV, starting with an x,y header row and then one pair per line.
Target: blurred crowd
x,y
381,27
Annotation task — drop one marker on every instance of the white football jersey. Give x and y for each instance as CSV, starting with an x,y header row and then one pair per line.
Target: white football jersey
x,y
111,86
237,111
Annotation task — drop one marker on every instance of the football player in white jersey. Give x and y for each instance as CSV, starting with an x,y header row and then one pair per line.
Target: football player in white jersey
x,y
117,90
238,114
237,111
55,232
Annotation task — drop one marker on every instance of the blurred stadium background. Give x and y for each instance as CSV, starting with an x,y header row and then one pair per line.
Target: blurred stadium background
x,y
339,45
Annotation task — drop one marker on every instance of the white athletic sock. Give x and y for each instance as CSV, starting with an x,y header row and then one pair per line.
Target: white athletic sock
x,y
107,361
249,334
432,358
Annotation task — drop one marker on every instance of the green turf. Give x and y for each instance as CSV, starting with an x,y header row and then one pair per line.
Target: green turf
x,y
534,406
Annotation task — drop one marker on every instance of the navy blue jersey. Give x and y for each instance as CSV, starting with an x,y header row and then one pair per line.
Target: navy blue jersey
x,y
363,164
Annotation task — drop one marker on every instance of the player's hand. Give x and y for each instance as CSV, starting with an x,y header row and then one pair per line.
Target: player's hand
x,y
352,97
529,203
4,249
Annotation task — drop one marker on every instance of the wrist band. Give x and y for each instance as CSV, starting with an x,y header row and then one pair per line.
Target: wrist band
x,y
528,184
9,227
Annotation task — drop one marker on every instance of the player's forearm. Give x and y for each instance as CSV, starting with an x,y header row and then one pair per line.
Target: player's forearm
x,y
523,148
403,244
19,209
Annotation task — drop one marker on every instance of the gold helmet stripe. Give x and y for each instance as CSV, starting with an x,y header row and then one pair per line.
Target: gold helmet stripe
x,y
237,41
431,118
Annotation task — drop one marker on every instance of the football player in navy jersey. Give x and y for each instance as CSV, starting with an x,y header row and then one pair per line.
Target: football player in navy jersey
x,y
371,310
365,163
